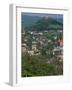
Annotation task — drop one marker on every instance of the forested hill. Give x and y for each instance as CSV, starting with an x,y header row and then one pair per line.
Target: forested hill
x,y
45,24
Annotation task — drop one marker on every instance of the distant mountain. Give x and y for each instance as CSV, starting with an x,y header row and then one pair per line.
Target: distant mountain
x,y
29,20
45,24
41,22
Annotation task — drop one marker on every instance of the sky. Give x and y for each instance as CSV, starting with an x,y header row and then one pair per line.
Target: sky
x,y
43,15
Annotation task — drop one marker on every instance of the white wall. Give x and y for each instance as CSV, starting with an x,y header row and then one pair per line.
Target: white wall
x,y
4,42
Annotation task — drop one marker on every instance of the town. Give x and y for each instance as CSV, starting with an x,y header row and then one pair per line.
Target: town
x,y
41,45
48,43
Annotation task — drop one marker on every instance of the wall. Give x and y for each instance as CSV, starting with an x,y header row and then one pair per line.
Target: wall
x,y
4,42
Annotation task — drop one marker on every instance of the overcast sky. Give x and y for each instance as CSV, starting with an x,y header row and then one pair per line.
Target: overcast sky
x,y
43,15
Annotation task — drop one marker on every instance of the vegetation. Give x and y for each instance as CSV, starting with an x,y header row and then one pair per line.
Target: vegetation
x,y
38,66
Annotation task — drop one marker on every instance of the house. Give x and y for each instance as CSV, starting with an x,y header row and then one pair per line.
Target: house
x,y
25,40
23,33
58,50
31,32
34,47
60,58
23,44
55,37
40,33
60,31
45,31
60,42
31,52
23,49
49,41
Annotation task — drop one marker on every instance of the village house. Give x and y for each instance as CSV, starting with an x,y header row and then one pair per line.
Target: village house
x,y
60,42
58,50
31,52
40,33
23,44
34,45
24,47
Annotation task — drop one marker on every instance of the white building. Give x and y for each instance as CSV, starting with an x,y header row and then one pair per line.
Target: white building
x,y
31,53
34,47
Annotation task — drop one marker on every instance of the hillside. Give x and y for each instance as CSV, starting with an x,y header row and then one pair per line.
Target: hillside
x,y
45,24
